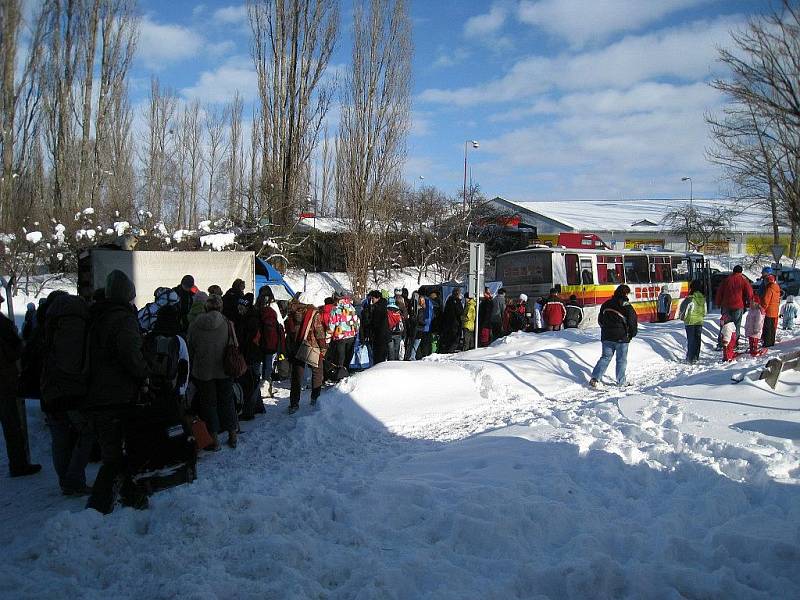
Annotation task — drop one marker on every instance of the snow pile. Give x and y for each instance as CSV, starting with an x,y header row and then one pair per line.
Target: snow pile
x,y
59,234
88,234
121,227
218,241
34,237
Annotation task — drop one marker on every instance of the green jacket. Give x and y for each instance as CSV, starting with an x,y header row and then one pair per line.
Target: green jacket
x,y
693,309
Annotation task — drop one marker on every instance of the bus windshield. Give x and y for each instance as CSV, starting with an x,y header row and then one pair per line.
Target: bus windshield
x,y
525,268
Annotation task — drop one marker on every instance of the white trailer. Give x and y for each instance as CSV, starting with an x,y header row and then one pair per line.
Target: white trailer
x,y
153,269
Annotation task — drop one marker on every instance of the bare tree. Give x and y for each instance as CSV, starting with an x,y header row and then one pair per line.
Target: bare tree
x,y
255,166
20,108
234,163
755,137
292,44
376,99
217,149
159,116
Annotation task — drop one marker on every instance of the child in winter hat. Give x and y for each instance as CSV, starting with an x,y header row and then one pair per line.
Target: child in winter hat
x,y
789,313
754,325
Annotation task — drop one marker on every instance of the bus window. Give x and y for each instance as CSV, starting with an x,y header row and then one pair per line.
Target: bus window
x,y
636,269
660,269
680,269
609,269
573,273
526,268
587,278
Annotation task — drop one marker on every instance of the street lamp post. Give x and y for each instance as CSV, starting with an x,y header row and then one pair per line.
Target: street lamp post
x,y
691,193
475,145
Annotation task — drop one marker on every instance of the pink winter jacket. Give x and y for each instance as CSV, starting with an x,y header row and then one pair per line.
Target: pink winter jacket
x,y
754,324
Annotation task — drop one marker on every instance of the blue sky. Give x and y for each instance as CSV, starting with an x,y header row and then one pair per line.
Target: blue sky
x,y
569,99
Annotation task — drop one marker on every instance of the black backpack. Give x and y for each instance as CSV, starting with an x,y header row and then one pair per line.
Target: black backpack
x,y
162,354
65,366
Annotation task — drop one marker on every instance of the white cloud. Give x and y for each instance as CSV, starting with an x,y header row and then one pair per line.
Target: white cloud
x,y
583,21
645,97
607,144
160,44
686,53
219,85
220,48
231,15
487,24
450,57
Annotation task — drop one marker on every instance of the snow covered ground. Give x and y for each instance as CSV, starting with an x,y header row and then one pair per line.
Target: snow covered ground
x,y
490,474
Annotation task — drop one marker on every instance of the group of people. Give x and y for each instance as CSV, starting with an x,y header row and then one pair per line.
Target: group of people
x,y
199,357
760,308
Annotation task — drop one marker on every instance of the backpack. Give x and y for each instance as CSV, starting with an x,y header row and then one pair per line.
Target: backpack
x,y
65,365
162,354
395,320
270,332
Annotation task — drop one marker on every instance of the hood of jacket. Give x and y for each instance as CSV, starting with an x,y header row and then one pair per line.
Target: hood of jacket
x,y
210,321
119,288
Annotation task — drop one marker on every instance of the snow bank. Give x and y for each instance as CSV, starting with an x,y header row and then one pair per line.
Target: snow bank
x,y
218,241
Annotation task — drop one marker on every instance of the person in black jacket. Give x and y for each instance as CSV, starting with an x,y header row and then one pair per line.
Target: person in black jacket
x,y
117,373
63,387
185,291
618,326
11,407
378,327
451,323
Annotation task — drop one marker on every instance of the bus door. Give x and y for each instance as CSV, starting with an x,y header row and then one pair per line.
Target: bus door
x,y
588,279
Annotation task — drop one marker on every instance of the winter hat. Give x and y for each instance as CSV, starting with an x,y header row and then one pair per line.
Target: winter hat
x,y
523,298
385,294
304,298
31,306
187,281
119,288
766,271
214,302
392,304
214,290
398,292
166,320
201,297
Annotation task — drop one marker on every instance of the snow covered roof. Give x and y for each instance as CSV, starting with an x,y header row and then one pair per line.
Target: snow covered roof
x,y
625,215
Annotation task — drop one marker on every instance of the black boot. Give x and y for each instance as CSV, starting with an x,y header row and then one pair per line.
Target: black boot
x,y
314,395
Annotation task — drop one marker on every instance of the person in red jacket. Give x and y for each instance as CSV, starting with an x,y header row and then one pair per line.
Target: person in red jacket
x,y
554,312
771,302
733,296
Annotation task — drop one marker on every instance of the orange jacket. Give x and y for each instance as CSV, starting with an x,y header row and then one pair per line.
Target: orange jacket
x,y
772,298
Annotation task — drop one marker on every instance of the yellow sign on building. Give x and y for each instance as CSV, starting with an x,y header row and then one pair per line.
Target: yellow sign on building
x,y
635,244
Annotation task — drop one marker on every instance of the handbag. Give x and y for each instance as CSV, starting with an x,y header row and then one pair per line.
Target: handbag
x,y
306,352
200,434
233,362
281,370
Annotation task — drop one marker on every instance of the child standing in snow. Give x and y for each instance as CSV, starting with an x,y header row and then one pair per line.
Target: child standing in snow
x,y
754,326
727,333
789,313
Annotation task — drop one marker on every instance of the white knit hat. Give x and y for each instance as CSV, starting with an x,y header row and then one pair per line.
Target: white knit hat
x,y
523,298
304,298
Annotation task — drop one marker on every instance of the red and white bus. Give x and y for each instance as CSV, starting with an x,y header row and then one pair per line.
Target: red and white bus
x,y
592,275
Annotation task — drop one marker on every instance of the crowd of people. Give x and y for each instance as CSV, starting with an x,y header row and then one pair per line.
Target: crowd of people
x,y
98,367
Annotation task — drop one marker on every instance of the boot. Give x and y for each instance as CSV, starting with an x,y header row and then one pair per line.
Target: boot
x,y
314,395
269,391
232,439
29,469
214,446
